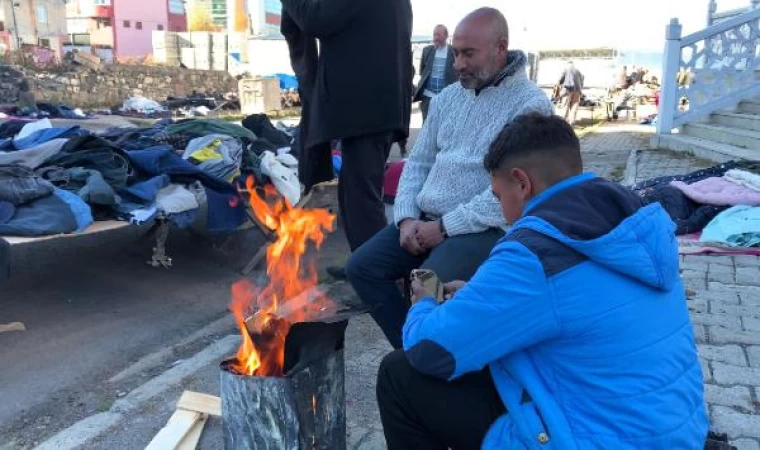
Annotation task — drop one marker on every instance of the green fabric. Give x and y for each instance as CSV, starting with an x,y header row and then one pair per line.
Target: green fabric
x,y
204,127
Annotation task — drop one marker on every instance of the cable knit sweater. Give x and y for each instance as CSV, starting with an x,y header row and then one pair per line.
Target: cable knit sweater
x,y
444,176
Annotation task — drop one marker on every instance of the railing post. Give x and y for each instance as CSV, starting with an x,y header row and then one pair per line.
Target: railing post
x,y
669,89
712,8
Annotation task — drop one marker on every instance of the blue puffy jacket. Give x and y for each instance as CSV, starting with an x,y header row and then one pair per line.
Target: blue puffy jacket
x,y
581,316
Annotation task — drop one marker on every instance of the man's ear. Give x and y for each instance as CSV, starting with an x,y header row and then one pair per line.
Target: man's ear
x,y
522,179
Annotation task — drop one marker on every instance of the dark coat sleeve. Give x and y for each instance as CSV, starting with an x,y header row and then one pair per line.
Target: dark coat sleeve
x,y
322,18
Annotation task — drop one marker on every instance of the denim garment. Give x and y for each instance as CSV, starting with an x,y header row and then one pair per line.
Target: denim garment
x,y
19,185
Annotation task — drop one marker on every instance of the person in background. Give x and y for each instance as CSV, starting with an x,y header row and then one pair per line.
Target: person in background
x,y
574,334
445,216
436,69
572,84
361,81
622,80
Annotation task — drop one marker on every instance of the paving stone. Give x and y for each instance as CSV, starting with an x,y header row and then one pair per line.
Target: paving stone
x,y
721,287
720,335
748,276
736,424
700,333
730,375
721,273
737,310
753,353
738,396
751,324
729,354
723,320
749,297
706,372
746,444
729,297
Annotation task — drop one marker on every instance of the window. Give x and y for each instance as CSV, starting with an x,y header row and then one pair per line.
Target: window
x,y
101,2
2,26
138,25
103,22
44,43
160,27
42,16
127,24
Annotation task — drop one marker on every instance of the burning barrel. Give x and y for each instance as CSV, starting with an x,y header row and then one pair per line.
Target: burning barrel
x,y
304,408
284,389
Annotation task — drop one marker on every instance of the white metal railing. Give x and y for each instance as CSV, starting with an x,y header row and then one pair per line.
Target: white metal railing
x,y
709,70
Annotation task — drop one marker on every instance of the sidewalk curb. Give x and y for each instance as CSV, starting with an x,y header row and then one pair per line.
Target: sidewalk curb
x,y
92,427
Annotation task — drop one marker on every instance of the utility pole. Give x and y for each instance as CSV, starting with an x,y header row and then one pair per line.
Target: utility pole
x,y
15,24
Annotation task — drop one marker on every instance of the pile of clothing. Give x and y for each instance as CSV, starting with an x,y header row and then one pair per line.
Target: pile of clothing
x,y
717,207
56,180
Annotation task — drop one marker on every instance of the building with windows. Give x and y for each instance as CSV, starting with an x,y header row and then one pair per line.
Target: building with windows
x,y
114,29
34,22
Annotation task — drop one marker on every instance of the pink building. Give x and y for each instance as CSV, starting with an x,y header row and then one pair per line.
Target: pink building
x,y
122,28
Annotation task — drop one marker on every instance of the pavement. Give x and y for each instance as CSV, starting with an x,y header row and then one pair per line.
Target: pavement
x,y
112,343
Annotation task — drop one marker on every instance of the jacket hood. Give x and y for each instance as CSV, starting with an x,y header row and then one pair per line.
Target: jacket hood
x,y
609,225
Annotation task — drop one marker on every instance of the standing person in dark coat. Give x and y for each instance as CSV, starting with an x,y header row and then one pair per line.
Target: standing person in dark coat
x,y
436,69
360,95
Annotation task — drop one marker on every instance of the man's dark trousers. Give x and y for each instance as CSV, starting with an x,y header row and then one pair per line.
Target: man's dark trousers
x,y
360,187
376,266
420,412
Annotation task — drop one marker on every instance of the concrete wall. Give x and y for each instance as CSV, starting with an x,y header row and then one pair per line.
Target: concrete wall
x,y
113,84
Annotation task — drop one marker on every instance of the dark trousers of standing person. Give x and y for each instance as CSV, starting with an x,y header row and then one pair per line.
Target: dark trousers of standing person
x,y
420,412
425,107
374,269
360,186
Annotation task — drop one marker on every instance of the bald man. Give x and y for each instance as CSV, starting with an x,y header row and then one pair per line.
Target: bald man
x,y
436,69
446,217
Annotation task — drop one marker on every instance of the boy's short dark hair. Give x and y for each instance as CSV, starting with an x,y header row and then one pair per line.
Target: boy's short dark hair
x,y
546,144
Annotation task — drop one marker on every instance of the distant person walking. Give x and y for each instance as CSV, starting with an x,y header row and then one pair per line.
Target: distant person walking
x,y
436,69
623,80
572,84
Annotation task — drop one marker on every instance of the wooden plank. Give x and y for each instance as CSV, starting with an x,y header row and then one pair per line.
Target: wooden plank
x,y
191,440
202,403
96,227
15,326
176,429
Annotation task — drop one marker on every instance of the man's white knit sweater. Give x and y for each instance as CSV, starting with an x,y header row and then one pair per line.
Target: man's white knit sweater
x,y
444,176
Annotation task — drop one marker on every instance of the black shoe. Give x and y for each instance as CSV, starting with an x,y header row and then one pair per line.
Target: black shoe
x,y
338,273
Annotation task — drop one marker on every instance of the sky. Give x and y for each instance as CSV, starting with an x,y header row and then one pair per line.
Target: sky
x,y
557,24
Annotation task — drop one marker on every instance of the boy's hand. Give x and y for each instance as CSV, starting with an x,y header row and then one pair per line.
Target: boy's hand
x,y
453,287
419,292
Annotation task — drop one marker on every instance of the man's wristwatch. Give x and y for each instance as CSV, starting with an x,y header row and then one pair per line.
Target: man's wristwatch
x,y
443,228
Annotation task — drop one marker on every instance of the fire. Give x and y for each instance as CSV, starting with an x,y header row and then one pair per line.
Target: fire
x,y
264,314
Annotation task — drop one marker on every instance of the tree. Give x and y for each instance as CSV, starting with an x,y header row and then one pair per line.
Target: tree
x,y
199,19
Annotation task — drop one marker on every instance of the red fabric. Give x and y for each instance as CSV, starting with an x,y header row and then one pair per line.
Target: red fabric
x,y
392,177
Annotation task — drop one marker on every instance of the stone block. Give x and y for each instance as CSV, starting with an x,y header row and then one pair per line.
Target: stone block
x,y
729,354
746,444
735,424
723,320
736,310
748,276
720,335
706,372
751,324
700,333
753,353
737,396
731,375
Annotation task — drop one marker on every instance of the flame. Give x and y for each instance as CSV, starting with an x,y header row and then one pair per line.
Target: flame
x,y
264,314
314,404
